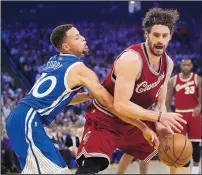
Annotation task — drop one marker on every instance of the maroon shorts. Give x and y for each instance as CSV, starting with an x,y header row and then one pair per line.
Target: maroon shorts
x,y
103,134
193,127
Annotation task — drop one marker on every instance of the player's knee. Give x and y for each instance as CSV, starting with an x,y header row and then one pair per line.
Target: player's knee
x,y
187,165
196,151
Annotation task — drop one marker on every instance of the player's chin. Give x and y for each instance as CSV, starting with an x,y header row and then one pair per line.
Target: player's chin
x,y
159,53
85,51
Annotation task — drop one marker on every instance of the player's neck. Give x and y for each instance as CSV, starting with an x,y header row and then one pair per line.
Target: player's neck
x,y
69,53
186,76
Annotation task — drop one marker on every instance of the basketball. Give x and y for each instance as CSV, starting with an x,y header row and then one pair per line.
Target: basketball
x,y
175,150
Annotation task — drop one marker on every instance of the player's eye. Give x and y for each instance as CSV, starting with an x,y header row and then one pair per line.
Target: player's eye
x,y
165,36
156,35
77,37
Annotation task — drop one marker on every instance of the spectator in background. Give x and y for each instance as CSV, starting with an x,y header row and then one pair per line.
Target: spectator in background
x,y
72,142
6,109
9,159
61,145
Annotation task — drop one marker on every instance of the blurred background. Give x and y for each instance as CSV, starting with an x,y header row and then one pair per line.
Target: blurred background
x,y
109,28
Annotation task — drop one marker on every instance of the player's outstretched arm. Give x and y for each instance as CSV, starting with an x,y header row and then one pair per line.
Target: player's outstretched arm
x,y
80,98
165,97
127,68
80,75
86,77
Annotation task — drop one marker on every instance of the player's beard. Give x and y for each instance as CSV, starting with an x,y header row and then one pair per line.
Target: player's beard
x,y
156,46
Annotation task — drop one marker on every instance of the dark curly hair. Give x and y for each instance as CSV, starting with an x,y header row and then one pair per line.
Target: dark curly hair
x,y
167,17
58,34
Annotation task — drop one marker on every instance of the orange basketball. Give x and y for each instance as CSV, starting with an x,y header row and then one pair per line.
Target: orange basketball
x,y
175,150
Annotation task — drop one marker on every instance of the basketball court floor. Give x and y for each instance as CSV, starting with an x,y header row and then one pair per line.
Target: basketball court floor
x,y
155,167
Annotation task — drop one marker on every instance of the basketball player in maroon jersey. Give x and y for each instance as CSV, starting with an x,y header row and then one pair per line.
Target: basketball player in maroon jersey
x,y
186,87
137,80
166,18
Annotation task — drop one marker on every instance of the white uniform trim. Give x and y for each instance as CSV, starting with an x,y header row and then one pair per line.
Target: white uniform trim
x,y
46,166
100,108
86,155
54,102
184,110
66,74
185,80
68,54
149,66
195,140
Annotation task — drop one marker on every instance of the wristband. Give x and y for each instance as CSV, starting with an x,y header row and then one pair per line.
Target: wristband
x,y
159,116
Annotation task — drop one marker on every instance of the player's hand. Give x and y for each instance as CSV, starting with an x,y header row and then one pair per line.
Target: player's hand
x,y
196,111
172,120
151,137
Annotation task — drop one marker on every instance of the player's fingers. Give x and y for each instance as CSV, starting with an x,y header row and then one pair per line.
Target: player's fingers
x,y
177,124
156,143
169,128
150,142
152,138
179,115
176,129
180,120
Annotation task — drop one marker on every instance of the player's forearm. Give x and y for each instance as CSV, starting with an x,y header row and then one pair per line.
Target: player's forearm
x,y
160,107
159,127
134,122
79,98
168,106
102,96
131,117
134,111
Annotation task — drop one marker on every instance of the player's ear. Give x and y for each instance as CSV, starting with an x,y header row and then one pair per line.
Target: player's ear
x,y
65,47
170,37
146,35
192,65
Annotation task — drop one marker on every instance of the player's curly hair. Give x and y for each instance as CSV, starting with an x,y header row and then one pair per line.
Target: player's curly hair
x,y
58,34
167,17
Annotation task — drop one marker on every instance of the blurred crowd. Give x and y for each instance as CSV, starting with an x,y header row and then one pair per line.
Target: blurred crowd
x,y
28,45
30,48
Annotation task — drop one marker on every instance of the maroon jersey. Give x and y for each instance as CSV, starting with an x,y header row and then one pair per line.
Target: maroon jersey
x,y
148,84
186,92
